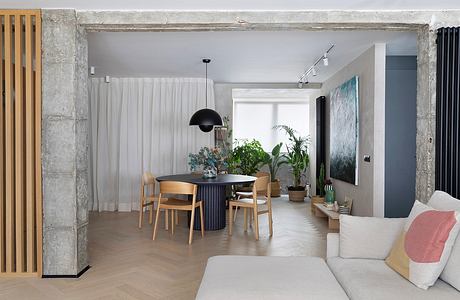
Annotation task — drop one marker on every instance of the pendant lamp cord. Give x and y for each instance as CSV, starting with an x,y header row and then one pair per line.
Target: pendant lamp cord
x,y
206,82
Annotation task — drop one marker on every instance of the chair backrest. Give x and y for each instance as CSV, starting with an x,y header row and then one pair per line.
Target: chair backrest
x,y
147,180
178,188
263,174
261,184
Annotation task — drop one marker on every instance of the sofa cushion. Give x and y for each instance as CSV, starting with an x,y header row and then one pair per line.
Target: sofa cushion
x,y
364,237
424,246
443,201
372,279
268,277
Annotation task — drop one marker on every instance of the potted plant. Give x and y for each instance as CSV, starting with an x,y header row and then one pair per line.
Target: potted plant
x,y
320,183
297,157
248,157
274,161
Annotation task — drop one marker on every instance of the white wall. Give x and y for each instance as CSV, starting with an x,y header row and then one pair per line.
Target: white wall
x,y
368,195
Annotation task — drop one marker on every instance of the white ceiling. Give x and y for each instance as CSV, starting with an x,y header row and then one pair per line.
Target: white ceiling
x,y
234,4
237,56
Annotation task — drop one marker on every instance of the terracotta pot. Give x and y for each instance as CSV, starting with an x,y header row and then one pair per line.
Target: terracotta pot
x,y
297,196
276,189
316,199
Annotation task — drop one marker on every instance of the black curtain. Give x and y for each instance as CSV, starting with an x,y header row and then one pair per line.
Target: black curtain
x,y
448,111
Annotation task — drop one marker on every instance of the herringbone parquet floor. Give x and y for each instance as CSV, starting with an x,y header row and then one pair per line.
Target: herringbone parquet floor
x,y
127,264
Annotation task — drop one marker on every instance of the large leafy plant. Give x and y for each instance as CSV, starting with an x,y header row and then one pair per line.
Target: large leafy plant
x,y
297,155
275,160
248,157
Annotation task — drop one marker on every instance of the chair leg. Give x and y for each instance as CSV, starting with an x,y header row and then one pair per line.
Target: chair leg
x,y
270,218
201,219
177,218
256,223
156,223
230,218
236,210
245,210
151,212
190,235
172,221
166,219
141,213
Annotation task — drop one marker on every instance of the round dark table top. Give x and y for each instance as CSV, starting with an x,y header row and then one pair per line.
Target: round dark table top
x,y
223,179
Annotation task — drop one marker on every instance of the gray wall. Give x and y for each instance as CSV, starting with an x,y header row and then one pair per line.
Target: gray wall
x,y
64,143
370,68
400,132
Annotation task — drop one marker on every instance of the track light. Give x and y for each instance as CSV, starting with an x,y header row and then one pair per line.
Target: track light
x,y
325,60
300,84
313,69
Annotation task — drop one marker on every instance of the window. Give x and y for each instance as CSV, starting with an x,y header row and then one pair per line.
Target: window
x,y
254,118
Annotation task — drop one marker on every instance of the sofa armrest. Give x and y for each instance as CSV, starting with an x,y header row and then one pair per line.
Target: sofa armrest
x,y
333,245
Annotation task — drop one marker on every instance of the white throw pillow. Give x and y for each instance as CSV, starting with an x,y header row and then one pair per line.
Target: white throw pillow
x,y
368,237
451,274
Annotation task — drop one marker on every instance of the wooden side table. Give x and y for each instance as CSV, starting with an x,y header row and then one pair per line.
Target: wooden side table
x,y
333,216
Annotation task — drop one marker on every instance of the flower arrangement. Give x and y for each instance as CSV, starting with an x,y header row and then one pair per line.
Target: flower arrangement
x,y
208,158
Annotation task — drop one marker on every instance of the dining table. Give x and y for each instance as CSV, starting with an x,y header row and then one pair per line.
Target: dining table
x,y
212,191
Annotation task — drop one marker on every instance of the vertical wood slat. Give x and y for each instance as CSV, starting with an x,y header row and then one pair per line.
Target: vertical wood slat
x,y
19,144
2,160
30,168
38,141
9,149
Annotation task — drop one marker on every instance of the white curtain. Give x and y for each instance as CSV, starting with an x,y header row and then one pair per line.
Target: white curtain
x,y
141,124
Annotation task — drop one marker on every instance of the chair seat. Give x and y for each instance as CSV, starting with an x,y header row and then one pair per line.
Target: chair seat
x,y
174,203
245,194
251,201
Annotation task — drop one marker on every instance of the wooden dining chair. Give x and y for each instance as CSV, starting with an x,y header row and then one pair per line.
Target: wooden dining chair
x,y
174,204
245,194
262,186
148,198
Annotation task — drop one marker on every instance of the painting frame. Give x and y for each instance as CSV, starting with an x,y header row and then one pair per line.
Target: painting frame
x,y
344,131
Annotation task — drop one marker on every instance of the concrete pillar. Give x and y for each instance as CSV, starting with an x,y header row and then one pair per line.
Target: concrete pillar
x,y
64,143
426,113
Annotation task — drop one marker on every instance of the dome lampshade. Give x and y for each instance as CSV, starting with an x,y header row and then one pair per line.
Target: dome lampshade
x,y
206,119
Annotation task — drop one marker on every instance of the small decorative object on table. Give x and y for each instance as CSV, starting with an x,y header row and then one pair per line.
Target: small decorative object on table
x,y
345,208
330,193
211,160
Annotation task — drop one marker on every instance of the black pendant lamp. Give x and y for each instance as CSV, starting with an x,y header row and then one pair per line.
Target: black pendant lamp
x,y
206,118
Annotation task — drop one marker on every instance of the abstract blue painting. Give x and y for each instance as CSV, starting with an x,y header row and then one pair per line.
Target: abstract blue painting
x,y
344,132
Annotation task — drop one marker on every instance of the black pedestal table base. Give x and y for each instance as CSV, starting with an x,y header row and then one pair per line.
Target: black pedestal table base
x,y
213,197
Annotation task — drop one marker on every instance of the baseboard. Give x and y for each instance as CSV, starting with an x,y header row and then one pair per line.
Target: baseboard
x,y
68,276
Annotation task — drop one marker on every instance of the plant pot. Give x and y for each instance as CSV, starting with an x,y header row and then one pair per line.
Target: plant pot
x,y
316,199
276,188
297,196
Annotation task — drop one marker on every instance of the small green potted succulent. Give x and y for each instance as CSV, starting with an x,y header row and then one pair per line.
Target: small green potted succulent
x,y
320,183
297,157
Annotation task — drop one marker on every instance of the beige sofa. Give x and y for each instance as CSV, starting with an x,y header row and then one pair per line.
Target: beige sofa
x,y
354,268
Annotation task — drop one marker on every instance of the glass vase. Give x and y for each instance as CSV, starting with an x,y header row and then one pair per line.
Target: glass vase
x,y
209,172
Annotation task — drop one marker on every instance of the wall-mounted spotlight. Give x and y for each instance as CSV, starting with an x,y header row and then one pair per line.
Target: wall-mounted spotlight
x,y
313,71
107,79
92,70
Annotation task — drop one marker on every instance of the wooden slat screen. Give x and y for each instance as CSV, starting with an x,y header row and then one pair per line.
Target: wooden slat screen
x,y
20,142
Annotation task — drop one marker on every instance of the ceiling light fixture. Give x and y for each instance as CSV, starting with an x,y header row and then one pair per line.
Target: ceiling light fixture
x,y
206,118
313,70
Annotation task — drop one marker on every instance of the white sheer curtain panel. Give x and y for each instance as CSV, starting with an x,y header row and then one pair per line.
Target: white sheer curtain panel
x,y
137,125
